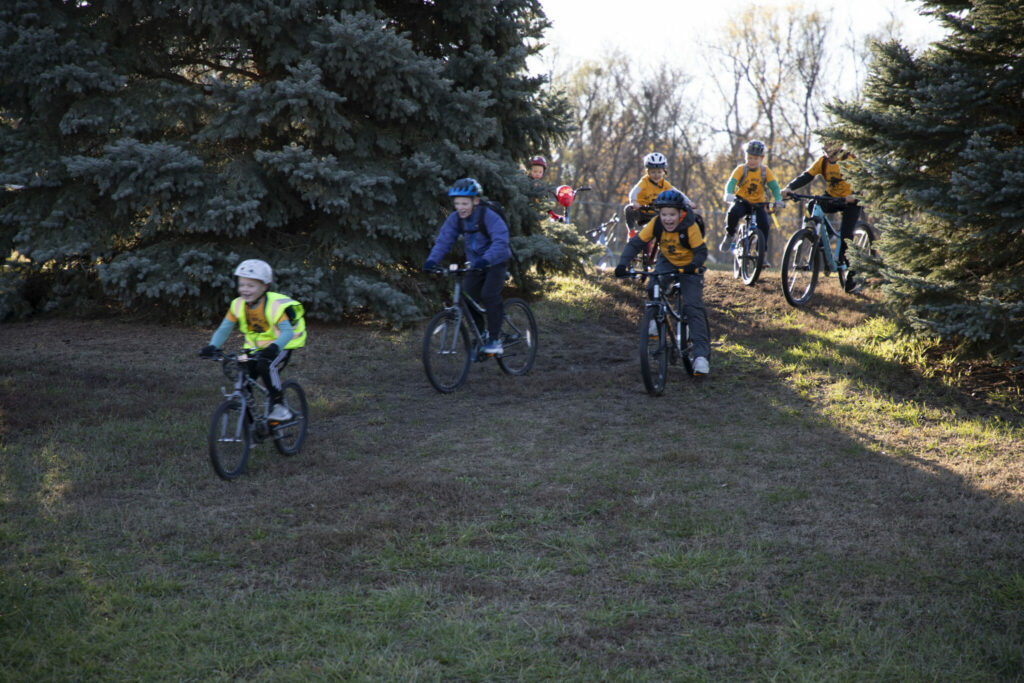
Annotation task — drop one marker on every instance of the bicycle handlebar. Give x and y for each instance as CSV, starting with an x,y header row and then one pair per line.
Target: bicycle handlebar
x,y
453,271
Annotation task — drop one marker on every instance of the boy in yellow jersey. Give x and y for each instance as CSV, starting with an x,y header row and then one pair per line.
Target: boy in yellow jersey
x,y
273,325
643,193
830,169
682,251
751,182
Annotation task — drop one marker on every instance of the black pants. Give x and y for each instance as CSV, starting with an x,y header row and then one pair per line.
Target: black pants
x,y
485,286
268,370
637,219
850,214
740,209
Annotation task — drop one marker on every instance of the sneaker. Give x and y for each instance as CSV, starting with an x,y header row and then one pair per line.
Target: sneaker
x,y
700,365
492,348
852,284
726,244
279,413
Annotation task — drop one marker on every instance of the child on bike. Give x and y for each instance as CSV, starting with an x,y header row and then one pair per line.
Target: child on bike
x,y
273,324
829,168
487,249
647,188
682,251
750,182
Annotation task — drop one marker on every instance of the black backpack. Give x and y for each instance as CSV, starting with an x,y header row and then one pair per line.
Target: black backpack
x,y
482,227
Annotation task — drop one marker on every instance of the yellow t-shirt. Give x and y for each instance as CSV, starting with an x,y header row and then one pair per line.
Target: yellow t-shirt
x,y
648,191
835,186
677,253
753,190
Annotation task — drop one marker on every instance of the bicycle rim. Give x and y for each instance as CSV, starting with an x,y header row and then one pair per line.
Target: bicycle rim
x,y
518,338
753,257
230,439
653,354
800,268
446,352
291,434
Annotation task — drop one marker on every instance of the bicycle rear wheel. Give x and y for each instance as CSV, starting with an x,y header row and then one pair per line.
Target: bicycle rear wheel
x,y
863,239
446,352
519,340
230,439
800,266
752,258
653,352
291,434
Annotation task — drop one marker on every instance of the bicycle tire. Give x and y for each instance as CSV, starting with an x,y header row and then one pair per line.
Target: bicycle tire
x,y
446,356
653,353
752,259
230,439
290,435
519,339
862,242
800,266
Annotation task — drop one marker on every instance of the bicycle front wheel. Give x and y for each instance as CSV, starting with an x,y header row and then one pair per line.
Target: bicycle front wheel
x,y
289,435
230,439
800,266
752,258
446,352
653,352
519,340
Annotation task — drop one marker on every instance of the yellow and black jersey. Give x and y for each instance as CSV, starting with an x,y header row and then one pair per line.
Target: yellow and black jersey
x,y
835,185
645,191
677,246
754,188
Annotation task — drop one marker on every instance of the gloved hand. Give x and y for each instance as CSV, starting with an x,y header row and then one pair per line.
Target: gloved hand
x,y
621,270
208,351
777,206
481,263
429,265
269,352
728,198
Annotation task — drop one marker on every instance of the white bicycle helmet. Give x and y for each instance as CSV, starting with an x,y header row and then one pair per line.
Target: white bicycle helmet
x,y
255,269
655,160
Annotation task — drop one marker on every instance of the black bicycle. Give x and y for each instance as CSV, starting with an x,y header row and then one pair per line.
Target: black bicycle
x,y
453,340
815,247
751,245
242,418
664,331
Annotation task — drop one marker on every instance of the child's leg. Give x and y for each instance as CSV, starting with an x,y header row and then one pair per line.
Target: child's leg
x,y
269,372
692,287
490,296
471,285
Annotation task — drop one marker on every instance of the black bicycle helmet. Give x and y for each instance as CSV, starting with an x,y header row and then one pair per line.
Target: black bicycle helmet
x,y
465,187
670,199
756,147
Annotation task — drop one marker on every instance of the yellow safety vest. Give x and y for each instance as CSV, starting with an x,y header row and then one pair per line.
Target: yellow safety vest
x,y
274,311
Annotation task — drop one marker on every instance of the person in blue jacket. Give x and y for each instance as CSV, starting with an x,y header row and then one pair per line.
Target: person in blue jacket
x,y
487,250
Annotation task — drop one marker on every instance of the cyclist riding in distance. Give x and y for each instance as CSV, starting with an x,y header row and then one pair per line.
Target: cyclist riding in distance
x,y
647,188
486,240
273,325
829,167
751,181
682,250
538,167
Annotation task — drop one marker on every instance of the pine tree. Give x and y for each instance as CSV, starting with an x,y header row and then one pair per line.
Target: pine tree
x,y
162,141
941,137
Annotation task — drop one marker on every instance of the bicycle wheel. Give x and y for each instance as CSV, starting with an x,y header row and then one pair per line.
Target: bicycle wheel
x,y
653,352
753,256
800,264
737,252
519,340
861,243
230,439
291,434
446,352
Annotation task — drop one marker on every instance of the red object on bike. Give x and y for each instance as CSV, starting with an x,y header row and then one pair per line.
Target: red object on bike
x,y
565,195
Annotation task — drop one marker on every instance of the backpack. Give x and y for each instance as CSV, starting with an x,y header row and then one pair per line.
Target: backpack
x,y
482,227
684,239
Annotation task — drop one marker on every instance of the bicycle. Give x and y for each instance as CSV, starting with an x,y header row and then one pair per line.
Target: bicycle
x,y
671,343
565,195
602,235
241,419
649,254
806,253
751,245
453,340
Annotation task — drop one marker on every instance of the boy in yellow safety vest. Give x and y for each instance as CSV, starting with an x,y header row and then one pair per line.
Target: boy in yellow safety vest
x,y
273,324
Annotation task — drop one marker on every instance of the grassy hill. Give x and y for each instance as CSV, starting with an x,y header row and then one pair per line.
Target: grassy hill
x,y
824,506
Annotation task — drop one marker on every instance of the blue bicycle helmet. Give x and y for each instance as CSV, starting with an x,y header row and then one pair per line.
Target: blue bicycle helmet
x,y
465,187
756,148
670,199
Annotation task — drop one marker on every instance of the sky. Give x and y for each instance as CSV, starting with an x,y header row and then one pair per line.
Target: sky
x,y
586,28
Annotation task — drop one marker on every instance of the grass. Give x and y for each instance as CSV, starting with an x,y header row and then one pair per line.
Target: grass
x,y
822,507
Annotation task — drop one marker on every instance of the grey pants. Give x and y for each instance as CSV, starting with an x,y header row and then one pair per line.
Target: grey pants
x,y
692,287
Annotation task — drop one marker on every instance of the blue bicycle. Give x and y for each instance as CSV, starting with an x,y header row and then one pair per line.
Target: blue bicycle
x,y
815,247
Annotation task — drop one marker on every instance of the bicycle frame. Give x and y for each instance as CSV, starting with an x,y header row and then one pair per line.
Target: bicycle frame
x,y
827,235
460,306
675,316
